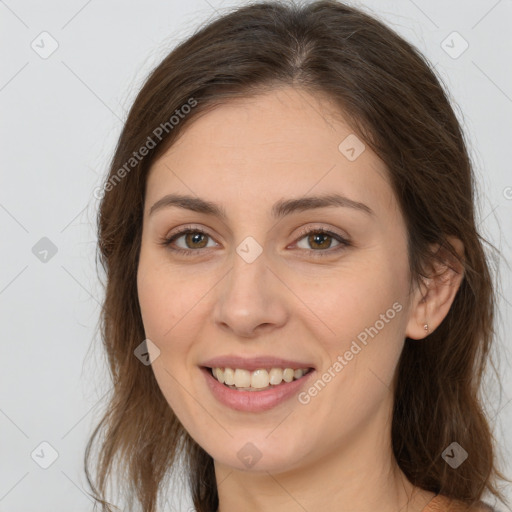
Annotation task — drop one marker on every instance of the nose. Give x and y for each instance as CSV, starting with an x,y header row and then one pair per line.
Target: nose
x,y
251,299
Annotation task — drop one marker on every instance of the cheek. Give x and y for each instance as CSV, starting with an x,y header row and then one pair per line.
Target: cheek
x,y
155,305
164,313
365,316
165,298
353,297
174,309
362,320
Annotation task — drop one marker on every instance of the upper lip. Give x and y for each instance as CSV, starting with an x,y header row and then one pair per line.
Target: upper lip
x,y
253,363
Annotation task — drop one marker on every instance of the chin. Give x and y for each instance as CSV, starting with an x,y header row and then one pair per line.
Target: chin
x,y
258,455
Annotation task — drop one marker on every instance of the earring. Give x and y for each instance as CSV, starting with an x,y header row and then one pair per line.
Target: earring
x,y
425,327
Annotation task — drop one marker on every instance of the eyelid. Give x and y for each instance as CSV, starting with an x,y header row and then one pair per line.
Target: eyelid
x,y
321,229
343,240
183,230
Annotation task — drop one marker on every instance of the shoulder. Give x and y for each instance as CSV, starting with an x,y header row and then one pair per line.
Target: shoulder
x,y
441,503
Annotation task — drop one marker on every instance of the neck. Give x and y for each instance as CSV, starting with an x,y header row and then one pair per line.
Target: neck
x,y
360,476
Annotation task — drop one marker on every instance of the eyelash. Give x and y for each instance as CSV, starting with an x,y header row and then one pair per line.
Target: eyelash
x,y
344,243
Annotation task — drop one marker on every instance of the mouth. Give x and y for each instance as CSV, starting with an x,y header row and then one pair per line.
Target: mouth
x,y
257,383
256,390
257,380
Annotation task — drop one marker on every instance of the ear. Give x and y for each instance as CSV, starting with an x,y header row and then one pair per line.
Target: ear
x,y
432,299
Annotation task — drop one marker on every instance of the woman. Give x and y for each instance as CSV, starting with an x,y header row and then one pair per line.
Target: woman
x,y
298,305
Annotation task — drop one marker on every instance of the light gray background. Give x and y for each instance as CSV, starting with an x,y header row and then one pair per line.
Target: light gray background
x,y
60,119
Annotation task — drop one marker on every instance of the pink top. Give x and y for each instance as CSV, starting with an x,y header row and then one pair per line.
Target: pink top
x,y
441,503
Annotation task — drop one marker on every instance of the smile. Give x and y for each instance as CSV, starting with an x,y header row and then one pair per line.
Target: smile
x,y
257,380
249,398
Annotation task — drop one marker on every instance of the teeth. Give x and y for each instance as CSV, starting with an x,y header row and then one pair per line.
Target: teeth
x,y
229,376
258,379
219,375
288,375
275,376
242,378
297,374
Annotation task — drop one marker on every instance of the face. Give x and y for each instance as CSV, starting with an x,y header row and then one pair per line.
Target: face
x,y
261,279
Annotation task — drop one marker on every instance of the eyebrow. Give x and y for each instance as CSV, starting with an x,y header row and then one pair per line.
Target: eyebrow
x,y
279,210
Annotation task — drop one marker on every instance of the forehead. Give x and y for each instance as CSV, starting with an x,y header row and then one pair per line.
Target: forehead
x,y
283,143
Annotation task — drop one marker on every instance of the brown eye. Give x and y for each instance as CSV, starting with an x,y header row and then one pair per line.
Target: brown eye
x,y
192,238
187,241
319,242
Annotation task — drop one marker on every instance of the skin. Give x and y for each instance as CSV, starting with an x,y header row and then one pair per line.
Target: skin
x,y
333,453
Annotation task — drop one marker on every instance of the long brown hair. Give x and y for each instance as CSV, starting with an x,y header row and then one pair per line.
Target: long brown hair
x,y
395,103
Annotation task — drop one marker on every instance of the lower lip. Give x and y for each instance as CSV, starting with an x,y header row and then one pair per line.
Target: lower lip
x,y
254,401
